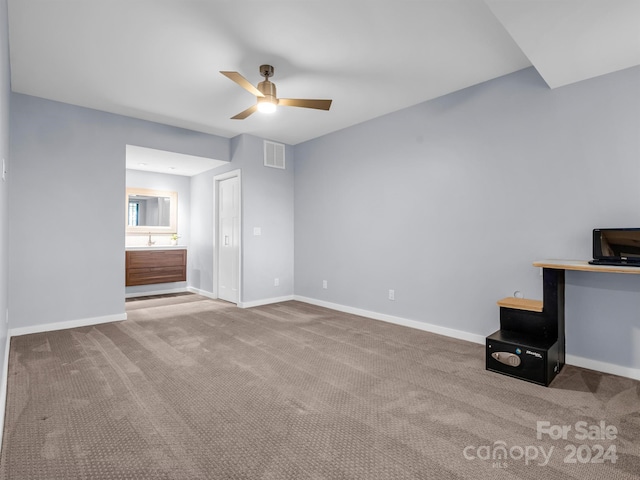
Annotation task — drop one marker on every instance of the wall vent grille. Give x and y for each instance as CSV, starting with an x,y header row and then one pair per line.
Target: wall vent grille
x,y
273,155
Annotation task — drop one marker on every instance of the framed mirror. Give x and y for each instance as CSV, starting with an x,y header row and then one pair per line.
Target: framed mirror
x,y
151,211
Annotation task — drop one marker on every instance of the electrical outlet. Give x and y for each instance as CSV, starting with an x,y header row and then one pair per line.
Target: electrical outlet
x,y
276,282
324,284
392,294
257,231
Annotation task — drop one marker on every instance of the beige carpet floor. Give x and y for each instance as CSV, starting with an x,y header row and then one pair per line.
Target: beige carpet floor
x,y
193,388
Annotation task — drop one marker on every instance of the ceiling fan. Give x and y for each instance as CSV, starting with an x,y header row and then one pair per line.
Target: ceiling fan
x,y
266,93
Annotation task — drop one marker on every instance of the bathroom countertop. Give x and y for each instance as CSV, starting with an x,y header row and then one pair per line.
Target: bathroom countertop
x,y
155,247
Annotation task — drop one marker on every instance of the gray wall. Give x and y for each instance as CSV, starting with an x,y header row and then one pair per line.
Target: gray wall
x,y
449,203
66,233
267,202
5,94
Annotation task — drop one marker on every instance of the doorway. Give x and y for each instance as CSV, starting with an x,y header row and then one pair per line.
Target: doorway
x,y
227,235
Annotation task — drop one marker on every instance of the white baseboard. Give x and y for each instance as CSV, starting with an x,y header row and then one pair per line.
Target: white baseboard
x,y
156,292
427,327
204,293
82,322
265,301
605,367
254,303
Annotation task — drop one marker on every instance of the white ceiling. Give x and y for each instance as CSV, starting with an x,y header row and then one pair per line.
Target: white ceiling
x,y
159,60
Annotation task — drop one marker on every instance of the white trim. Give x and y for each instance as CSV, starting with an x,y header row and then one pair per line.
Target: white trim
x,y
81,322
265,301
227,175
427,327
3,385
157,292
605,367
204,293
216,180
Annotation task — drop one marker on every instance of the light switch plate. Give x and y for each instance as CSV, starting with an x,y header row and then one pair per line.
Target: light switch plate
x,y
257,231
4,169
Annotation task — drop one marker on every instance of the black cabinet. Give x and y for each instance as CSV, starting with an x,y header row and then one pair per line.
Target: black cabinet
x,y
530,345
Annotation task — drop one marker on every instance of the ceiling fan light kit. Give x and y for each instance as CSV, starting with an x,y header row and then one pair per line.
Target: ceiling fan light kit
x,y
266,106
265,93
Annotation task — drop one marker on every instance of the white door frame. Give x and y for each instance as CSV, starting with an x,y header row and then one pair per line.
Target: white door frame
x,y
216,185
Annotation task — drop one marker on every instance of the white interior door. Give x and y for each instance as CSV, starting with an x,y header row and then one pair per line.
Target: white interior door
x,y
228,239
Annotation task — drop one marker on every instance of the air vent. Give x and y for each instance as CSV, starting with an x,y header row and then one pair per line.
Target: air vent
x,y
273,155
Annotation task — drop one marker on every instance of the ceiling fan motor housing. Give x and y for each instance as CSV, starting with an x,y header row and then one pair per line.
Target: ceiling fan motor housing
x,y
268,89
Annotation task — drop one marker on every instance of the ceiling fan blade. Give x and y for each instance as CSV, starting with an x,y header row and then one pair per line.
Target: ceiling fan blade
x,y
243,82
305,103
244,114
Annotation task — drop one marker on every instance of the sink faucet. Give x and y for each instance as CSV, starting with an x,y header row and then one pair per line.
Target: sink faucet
x,y
150,242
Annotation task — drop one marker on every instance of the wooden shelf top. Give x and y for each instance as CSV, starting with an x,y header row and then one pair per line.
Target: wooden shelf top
x,y
584,266
521,304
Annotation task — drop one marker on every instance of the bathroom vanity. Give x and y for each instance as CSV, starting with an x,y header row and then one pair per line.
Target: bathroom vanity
x,y
150,265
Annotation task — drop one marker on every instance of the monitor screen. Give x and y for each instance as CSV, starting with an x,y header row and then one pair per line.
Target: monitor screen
x,y
616,243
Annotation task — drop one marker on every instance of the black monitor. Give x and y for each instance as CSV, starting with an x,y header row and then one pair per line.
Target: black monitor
x,y
616,246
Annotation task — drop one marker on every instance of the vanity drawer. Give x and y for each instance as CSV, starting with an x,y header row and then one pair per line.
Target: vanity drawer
x,y
155,266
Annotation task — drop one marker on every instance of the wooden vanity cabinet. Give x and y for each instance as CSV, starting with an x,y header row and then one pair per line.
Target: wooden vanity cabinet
x,y
144,267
